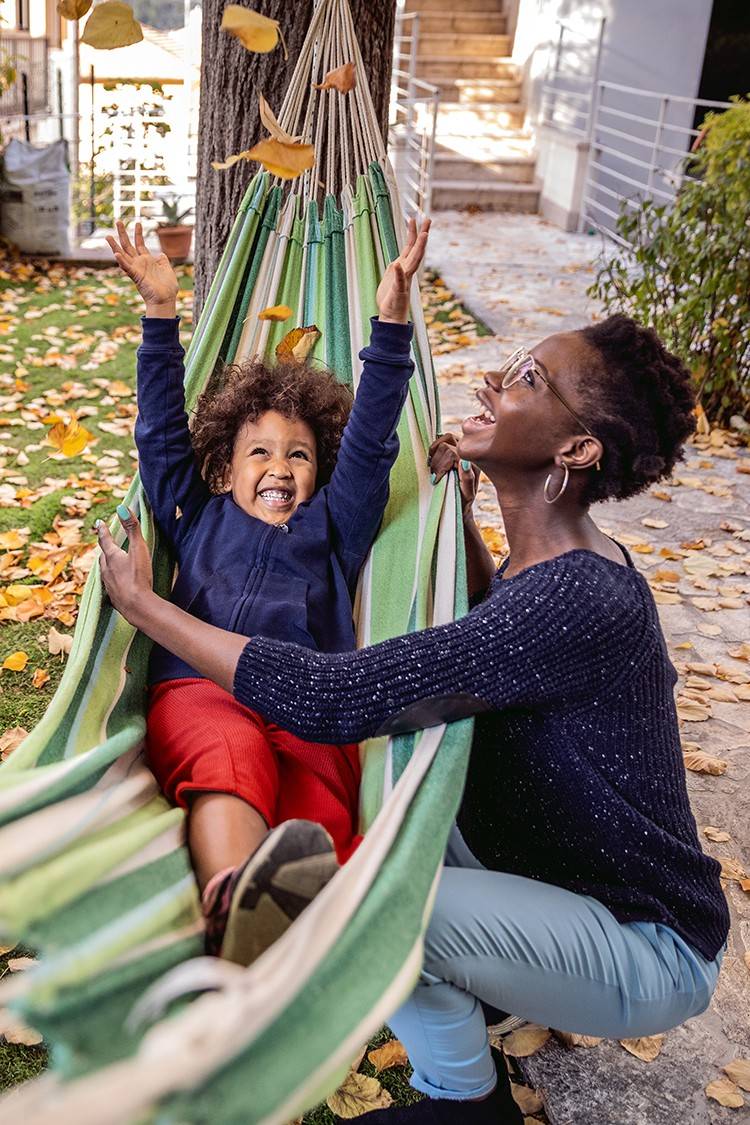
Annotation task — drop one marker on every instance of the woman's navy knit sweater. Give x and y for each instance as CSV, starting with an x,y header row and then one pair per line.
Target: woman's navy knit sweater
x,y
576,776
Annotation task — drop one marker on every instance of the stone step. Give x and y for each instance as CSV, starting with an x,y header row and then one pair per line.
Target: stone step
x,y
461,46
448,67
433,22
458,119
450,194
492,6
477,92
456,167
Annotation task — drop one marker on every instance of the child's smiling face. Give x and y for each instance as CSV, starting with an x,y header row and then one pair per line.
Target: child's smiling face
x,y
274,466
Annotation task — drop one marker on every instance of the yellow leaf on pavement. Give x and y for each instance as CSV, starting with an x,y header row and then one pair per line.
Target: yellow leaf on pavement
x,y
716,835
392,1053
527,1100
343,79
255,32
275,312
526,1041
646,1047
700,762
573,1039
739,1071
73,9
725,1092
16,662
358,1094
112,24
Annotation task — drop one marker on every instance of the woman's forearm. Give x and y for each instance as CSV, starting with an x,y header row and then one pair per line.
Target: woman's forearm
x,y
480,566
211,651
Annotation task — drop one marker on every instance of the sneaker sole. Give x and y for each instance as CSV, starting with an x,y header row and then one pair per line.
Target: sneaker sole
x,y
289,869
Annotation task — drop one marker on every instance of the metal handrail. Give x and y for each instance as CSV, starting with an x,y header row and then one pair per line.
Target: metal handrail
x,y
414,105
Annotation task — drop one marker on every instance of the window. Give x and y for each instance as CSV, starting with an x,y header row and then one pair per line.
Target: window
x,y
22,15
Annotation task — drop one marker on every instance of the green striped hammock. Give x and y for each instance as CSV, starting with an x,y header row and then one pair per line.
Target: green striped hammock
x,y
94,871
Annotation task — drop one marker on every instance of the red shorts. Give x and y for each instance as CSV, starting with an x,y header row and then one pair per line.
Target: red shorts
x,y
200,739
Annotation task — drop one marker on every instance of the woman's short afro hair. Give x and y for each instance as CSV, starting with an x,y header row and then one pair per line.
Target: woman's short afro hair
x,y
245,391
639,402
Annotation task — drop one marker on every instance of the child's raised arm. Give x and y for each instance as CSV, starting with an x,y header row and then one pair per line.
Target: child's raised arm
x,y
166,461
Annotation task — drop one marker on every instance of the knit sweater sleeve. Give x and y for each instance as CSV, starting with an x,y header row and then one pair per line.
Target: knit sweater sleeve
x,y
358,490
556,635
166,461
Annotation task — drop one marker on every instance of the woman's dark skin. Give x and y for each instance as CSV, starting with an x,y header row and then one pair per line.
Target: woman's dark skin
x,y
533,435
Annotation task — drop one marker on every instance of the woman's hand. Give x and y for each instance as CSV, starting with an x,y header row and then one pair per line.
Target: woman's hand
x,y
443,456
394,291
154,277
127,575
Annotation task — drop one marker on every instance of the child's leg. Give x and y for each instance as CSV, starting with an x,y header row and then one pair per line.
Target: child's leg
x,y
211,756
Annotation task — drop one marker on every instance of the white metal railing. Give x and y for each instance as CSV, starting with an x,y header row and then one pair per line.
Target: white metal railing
x,y
412,119
639,147
571,75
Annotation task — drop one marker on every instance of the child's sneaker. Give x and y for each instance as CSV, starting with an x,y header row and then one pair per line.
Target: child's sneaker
x,y
256,902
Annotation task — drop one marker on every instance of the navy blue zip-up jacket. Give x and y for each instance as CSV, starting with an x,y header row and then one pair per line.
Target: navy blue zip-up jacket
x,y
294,581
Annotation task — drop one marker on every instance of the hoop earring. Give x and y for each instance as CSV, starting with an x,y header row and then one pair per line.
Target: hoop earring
x,y
566,478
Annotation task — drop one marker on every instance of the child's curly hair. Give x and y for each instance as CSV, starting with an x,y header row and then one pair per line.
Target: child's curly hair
x,y
246,391
639,401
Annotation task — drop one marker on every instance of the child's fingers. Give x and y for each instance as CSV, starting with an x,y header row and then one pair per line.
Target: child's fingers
x,y
411,237
418,250
399,278
125,242
140,245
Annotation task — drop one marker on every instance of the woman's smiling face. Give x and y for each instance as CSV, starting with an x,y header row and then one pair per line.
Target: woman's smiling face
x,y
526,424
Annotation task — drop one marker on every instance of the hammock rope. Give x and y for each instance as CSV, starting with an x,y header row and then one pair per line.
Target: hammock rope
x,y
94,873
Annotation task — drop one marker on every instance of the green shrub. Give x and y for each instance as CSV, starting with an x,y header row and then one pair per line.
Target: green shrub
x,y
685,269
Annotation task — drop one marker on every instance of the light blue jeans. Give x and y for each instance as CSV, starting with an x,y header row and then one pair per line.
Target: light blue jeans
x,y
554,957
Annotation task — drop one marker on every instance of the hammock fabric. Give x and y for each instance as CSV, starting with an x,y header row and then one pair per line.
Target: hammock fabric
x,y
95,873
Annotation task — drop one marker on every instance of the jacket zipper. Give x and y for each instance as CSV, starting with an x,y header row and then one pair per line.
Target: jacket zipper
x,y
265,550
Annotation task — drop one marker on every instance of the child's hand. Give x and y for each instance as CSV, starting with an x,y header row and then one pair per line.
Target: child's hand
x,y
154,277
394,290
443,457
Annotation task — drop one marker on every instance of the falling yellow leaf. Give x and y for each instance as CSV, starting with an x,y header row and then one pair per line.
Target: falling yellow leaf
x,y
112,24
526,1041
358,1094
739,1071
700,762
275,312
73,9
268,119
287,161
725,1092
10,741
40,677
255,32
70,439
16,662
298,343
343,79
646,1048
392,1053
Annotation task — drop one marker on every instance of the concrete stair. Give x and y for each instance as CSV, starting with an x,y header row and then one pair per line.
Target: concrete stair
x,y
482,157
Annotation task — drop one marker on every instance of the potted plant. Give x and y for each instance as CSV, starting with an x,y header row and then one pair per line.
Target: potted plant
x,y
174,236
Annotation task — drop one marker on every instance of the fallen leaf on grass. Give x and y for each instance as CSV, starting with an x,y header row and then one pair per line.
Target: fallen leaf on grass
x,y
739,1071
255,32
14,1031
20,964
700,762
646,1047
725,1092
343,79
9,741
392,1053
59,643
112,24
40,678
527,1100
526,1041
16,662
358,1094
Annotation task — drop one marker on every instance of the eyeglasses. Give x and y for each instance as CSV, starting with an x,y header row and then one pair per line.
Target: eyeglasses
x,y
522,365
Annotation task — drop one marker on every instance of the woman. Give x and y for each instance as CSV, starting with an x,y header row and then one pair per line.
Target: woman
x,y
575,891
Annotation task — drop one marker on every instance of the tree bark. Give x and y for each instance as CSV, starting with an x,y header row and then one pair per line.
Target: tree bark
x,y
232,78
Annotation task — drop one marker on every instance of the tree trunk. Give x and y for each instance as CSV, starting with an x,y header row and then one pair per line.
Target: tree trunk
x,y
232,78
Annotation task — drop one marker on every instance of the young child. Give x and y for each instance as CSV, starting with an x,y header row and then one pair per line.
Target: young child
x,y
270,511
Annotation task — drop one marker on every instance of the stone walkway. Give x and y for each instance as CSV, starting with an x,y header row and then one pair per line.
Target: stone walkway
x,y
691,537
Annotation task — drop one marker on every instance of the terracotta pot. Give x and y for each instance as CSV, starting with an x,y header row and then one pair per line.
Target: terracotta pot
x,y
175,242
